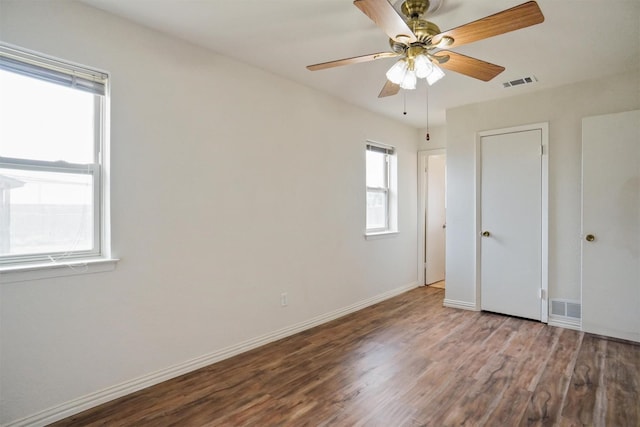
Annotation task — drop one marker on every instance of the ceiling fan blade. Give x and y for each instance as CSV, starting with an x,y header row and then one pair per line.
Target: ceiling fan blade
x,y
389,89
517,17
469,66
385,16
354,60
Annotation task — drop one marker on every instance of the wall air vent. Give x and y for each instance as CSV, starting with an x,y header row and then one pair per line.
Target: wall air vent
x,y
520,81
566,308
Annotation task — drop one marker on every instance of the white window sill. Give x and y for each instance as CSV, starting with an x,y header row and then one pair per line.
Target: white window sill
x,y
380,235
22,273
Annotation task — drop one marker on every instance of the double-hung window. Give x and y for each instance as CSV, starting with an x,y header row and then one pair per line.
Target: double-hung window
x,y
380,179
52,122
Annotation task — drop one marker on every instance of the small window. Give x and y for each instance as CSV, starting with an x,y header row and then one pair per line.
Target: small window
x,y
380,167
51,173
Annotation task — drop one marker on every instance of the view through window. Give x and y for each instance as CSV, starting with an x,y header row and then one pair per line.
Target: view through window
x,y
50,173
378,169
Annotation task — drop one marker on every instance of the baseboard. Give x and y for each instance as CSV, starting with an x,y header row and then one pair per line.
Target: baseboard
x,y
565,322
465,305
83,403
609,332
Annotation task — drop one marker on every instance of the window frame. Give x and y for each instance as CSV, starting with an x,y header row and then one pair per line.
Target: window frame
x,y
55,71
387,189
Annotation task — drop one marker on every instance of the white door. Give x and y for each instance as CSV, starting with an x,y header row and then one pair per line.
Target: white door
x,y
435,219
511,223
611,225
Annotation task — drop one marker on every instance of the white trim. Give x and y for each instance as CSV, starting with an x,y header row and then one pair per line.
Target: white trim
x,y
544,131
91,400
544,314
422,206
25,272
478,222
380,235
565,322
617,332
465,305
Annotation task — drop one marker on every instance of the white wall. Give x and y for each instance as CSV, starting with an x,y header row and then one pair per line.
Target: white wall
x,y
229,186
563,107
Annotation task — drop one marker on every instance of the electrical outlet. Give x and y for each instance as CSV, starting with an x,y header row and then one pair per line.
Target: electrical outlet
x,y
284,300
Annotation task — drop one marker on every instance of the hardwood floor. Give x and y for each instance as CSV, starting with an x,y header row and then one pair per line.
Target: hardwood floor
x,y
438,285
407,361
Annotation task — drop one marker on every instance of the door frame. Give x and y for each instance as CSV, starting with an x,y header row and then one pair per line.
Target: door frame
x,y
544,130
422,207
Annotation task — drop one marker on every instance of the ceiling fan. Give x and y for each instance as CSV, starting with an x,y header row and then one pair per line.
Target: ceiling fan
x,y
419,43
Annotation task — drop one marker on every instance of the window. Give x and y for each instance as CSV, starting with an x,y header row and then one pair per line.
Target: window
x,y
52,118
380,165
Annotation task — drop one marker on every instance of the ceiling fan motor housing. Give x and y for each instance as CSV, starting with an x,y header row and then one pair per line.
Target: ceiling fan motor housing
x,y
414,8
424,30
414,11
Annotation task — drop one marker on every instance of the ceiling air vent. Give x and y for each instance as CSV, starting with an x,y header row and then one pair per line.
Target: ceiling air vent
x,y
520,81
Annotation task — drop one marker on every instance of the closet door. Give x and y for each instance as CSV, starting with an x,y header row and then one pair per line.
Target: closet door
x,y
512,223
611,225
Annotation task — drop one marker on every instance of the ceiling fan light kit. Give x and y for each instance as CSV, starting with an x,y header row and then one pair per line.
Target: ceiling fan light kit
x,y
418,42
397,71
423,66
435,75
406,71
409,81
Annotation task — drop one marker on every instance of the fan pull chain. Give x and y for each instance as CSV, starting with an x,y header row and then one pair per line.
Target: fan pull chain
x,y
404,101
427,136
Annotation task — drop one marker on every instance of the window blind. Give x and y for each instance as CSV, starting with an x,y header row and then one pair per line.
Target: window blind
x,y
52,71
385,149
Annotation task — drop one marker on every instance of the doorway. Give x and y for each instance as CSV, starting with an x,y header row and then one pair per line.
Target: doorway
x,y
512,221
432,214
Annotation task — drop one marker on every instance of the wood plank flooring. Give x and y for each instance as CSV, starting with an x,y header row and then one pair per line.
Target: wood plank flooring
x,y
407,361
439,285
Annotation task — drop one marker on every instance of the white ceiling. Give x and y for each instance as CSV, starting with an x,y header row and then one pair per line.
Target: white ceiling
x,y
579,40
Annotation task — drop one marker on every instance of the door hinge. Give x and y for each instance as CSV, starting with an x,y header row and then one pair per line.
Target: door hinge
x,y
541,294
542,150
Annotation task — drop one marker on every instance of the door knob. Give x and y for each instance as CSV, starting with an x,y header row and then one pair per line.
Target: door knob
x,y
590,238
486,234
